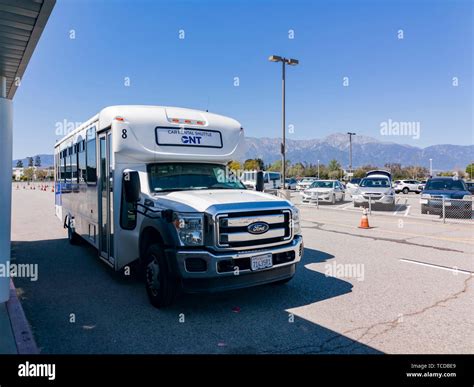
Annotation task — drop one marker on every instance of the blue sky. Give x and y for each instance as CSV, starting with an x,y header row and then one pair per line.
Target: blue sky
x,y
405,80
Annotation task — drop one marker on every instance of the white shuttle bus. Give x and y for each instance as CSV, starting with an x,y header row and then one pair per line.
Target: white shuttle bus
x,y
150,184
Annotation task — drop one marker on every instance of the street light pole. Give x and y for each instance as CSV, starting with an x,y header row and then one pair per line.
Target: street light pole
x,y
318,169
431,167
283,120
350,150
284,62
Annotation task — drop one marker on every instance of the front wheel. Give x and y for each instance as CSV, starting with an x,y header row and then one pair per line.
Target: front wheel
x,y
161,287
405,190
333,200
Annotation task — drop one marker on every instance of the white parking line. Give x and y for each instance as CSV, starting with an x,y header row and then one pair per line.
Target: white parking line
x,y
451,269
407,211
346,205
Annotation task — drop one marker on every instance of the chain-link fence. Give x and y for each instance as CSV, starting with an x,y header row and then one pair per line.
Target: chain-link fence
x,y
449,210
436,208
412,205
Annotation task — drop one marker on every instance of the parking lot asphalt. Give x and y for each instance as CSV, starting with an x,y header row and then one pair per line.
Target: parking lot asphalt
x,y
395,288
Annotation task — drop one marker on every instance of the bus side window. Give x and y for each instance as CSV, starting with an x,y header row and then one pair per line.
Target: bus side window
x,y
128,213
82,162
91,161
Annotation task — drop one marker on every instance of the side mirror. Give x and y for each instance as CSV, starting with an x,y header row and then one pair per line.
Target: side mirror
x,y
259,182
131,186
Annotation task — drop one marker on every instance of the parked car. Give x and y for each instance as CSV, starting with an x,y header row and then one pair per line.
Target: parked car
x,y
271,180
421,186
439,190
376,186
470,186
305,183
352,185
407,186
330,191
290,183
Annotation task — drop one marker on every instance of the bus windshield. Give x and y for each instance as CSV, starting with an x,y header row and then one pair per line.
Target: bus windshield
x,y
165,177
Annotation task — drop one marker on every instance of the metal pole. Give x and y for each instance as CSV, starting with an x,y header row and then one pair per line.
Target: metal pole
x,y
283,145
444,211
431,167
318,169
350,152
6,144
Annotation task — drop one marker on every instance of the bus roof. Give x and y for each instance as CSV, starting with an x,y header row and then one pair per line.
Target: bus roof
x,y
155,133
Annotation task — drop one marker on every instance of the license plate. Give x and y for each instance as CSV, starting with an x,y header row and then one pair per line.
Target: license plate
x,y
424,201
447,204
261,262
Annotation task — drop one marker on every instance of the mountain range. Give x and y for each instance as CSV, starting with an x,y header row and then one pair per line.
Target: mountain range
x,y
365,151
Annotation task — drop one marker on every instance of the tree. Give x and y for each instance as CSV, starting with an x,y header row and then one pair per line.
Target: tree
x,y
234,165
361,171
30,161
253,164
334,166
470,170
19,164
37,161
41,174
29,173
296,170
414,172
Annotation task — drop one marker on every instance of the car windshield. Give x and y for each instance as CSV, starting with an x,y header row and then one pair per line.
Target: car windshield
x,y
191,176
355,181
322,184
375,182
444,185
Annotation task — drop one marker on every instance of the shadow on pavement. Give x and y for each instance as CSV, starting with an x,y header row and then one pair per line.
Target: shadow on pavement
x,y
79,305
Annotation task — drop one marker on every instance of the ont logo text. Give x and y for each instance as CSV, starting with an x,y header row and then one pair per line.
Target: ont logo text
x,y
191,140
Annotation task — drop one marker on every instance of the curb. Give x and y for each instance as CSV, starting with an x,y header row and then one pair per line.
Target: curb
x,y
24,339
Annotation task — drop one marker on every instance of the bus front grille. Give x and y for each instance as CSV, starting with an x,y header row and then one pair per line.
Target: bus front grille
x,y
235,230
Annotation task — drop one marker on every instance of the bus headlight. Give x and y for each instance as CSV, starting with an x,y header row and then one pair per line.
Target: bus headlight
x,y
190,228
296,221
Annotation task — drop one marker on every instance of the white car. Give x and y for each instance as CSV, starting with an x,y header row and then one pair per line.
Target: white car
x,y
352,185
330,191
305,183
375,187
407,186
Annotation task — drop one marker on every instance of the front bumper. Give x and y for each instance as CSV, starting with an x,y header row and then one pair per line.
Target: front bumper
x,y
435,206
363,199
320,197
215,278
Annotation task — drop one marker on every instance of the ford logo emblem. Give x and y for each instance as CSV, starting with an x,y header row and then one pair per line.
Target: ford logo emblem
x,y
258,228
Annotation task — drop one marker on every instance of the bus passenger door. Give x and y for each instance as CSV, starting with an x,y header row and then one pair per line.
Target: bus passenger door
x,y
106,230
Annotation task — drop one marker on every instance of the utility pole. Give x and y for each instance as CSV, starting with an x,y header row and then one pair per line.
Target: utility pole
x,y
350,150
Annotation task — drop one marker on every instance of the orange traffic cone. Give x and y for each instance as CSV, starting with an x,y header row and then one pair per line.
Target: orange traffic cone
x,y
364,222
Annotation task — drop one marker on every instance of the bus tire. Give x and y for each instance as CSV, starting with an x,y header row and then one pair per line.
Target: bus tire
x,y
161,287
